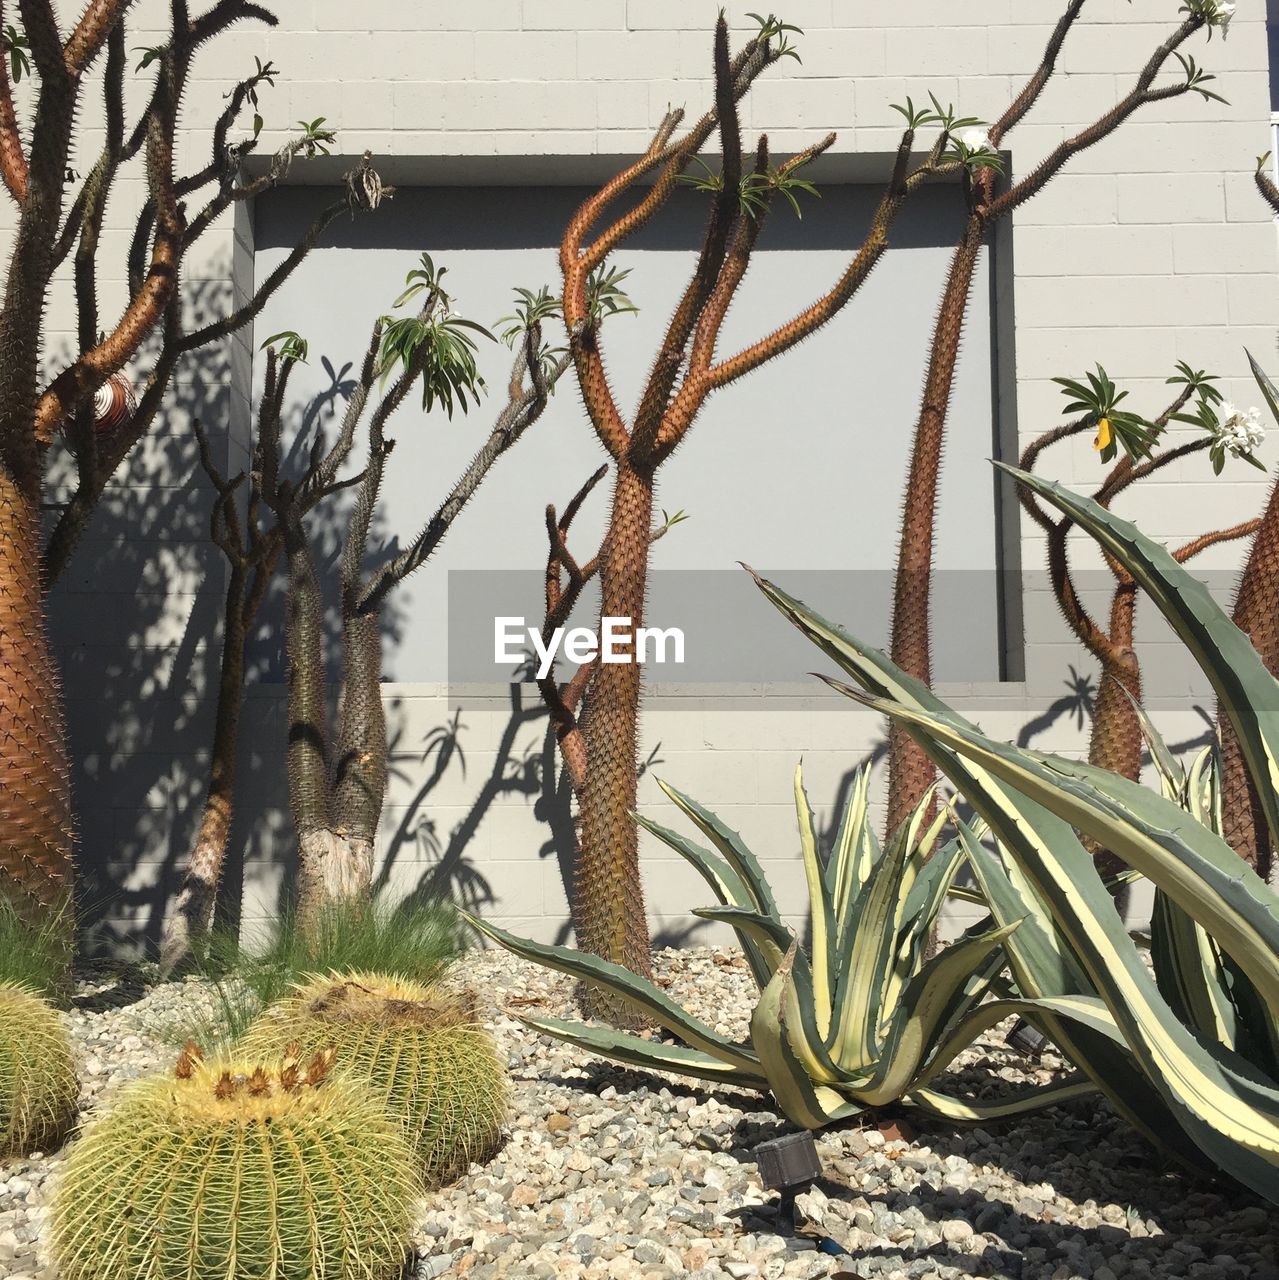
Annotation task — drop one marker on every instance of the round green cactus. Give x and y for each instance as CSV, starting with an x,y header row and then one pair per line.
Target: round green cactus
x,y
235,1171
38,1085
421,1048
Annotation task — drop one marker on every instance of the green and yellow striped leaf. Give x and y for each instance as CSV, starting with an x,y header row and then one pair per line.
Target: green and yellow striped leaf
x,y
730,846
654,1055
1228,1108
1248,693
821,921
812,1106
725,883
641,993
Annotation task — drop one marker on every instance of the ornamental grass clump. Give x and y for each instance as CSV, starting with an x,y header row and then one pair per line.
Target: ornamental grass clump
x,y
416,943
38,1085
419,1048
238,1170
34,953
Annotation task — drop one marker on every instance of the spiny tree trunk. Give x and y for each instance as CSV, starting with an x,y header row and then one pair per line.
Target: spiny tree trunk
x,y
1256,613
344,869
252,561
35,804
192,912
336,792
36,833
307,751
600,746
910,772
1116,741
609,897
57,223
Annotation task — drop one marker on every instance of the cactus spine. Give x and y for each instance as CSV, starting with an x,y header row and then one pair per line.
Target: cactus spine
x,y
419,1050
38,1085
237,1170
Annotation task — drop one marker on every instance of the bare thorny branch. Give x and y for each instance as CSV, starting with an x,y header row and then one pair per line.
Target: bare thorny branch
x,y
686,370
526,400
687,367
163,233
565,581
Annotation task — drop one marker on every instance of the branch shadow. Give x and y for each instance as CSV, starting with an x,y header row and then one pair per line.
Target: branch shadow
x,y
136,622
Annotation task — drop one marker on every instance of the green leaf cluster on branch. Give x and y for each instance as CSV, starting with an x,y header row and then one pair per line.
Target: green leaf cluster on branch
x,y
337,772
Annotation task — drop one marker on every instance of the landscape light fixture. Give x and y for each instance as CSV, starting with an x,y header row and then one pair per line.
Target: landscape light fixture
x,y
788,1164
1027,1040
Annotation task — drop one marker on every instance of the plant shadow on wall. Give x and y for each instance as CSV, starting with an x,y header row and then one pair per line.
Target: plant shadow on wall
x,y
137,622
525,763
131,620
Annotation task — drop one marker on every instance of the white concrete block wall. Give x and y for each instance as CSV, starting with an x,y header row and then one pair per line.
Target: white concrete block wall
x,y
1151,247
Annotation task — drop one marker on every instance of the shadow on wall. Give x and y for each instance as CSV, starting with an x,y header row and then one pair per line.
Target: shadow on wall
x,y
137,622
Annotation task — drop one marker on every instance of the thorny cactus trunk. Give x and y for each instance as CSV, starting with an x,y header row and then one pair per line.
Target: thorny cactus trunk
x,y
910,772
36,833
1256,613
359,787
336,803
60,219
252,563
1116,741
192,911
35,804
336,793
306,754
600,747
609,897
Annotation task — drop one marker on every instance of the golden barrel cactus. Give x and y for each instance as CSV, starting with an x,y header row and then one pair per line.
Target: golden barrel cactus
x,y
419,1047
238,1170
38,1085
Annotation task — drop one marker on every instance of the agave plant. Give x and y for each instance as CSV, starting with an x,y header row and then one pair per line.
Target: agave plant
x,y
1191,1057
866,1017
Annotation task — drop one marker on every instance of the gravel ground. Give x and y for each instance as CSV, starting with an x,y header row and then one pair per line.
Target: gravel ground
x,y
610,1173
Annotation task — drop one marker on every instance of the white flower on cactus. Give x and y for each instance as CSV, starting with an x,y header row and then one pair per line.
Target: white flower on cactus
x,y
976,140
1239,430
1222,12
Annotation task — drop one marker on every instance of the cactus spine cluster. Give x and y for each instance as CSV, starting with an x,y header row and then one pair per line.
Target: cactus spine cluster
x,y
419,1048
237,1170
38,1085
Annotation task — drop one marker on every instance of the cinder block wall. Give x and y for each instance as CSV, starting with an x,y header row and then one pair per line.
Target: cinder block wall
x,y
1151,248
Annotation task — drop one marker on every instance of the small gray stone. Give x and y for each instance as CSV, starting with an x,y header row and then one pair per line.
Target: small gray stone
x,y
956,1231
